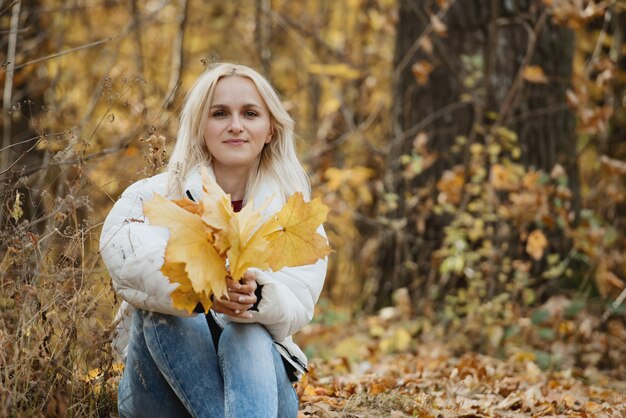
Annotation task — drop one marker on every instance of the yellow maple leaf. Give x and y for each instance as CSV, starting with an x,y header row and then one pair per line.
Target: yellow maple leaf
x,y
234,232
217,213
184,297
248,249
248,220
245,257
217,207
190,206
297,242
252,249
189,243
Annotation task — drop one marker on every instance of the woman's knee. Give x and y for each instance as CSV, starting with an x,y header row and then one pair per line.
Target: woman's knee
x,y
168,337
249,335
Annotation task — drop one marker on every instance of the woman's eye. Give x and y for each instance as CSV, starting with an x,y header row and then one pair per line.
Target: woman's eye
x,y
219,113
250,114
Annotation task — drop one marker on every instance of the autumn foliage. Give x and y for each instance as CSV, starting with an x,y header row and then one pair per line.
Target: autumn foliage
x,y
210,242
478,265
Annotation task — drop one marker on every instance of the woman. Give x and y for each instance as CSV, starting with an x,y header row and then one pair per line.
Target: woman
x,y
239,360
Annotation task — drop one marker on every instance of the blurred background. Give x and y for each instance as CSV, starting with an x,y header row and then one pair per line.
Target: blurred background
x,y
472,153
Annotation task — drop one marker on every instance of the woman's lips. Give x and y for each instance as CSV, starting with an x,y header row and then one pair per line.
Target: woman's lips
x,y
235,141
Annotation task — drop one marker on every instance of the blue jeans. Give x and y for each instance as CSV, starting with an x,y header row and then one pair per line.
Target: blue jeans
x,y
172,370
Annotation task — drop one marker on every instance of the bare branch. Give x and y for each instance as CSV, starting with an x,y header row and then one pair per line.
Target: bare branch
x,y
263,33
136,24
38,137
599,43
300,34
6,170
508,103
362,127
413,130
95,97
6,9
616,303
67,51
178,53
96,155
408,56
8,84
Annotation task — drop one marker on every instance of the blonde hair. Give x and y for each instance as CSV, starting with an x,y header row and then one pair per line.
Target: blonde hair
x,y
278,159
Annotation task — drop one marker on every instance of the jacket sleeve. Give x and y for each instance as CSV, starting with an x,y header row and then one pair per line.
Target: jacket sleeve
x,y
133,250
288,298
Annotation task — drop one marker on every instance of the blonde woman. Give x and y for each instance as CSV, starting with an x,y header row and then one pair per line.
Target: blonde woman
x,y
239,360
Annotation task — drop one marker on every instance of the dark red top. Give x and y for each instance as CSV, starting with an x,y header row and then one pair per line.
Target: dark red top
x,y
237,205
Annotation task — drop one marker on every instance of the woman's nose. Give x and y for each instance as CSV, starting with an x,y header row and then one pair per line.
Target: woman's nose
x,y
235,125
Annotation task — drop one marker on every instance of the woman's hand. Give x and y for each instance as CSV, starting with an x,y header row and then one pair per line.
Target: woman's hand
x,y
242,297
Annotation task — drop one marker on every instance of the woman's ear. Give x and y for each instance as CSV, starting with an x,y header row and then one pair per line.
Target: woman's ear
x,y
270,135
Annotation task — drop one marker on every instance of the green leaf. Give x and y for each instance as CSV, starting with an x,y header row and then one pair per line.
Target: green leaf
x,y
546,333
543,359
610,236
540,316
511,331
574,309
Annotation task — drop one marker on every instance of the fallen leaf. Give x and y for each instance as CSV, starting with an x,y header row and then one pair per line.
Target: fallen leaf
x,y
534,74
451,185
439,27
536,244
505,177
421,71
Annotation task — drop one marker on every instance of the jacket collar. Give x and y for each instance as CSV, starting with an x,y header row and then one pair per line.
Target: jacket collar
x,y
269,189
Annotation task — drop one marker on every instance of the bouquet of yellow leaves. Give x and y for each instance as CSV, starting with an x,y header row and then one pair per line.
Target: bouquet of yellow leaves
x,y
208,235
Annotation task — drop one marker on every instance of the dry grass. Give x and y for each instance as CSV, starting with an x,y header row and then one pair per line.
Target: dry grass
x,y
55,311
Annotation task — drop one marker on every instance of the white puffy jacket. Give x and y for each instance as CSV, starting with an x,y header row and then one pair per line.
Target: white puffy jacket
x,y
133,251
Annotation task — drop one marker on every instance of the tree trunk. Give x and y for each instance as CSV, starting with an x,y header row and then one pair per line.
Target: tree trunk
x,y
476,49
22,101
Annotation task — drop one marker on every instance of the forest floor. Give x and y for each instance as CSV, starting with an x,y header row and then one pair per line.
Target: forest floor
x,y
392,366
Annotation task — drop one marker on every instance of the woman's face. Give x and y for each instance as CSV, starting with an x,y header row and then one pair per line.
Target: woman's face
x,y
238,124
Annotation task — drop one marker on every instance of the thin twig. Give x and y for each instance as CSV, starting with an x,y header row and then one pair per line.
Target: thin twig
x,y
178,53
408,55
33,139
263,29
6,9
620,299
449,60
88,157
95,97
427,120
301,32
599,43
509,101
362,127
67,51
285,23
20,157
138,47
